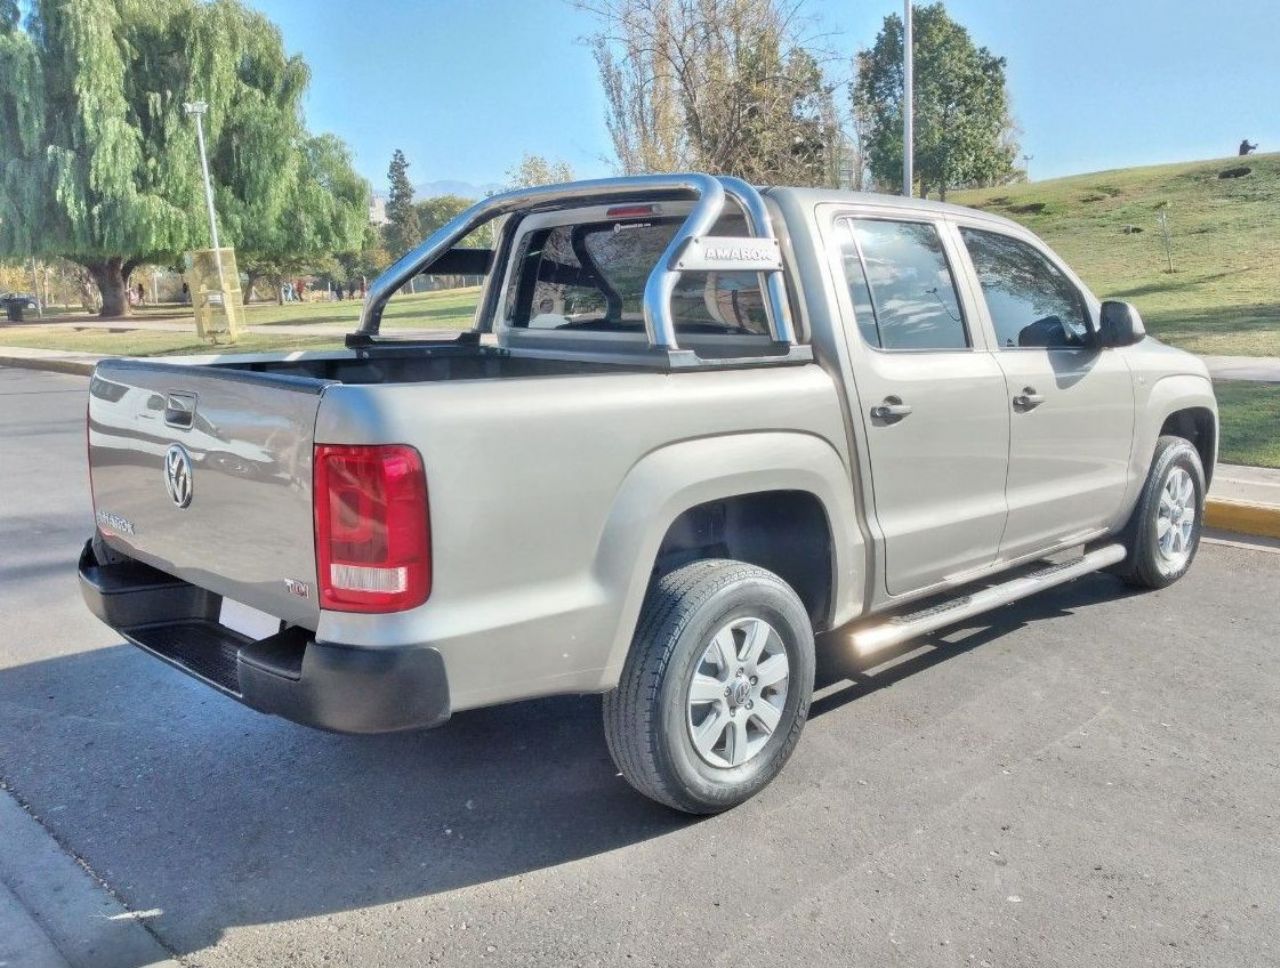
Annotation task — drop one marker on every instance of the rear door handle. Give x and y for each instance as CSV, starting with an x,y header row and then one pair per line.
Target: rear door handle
x,y
1028,399
891,409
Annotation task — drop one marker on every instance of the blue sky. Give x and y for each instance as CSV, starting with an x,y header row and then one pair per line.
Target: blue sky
x,y
465,86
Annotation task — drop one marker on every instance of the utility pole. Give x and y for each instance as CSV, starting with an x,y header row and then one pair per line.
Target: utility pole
x,y
1026,165
198,108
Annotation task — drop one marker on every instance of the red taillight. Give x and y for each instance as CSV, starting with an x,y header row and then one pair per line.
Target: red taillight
x,y
373,537
632,211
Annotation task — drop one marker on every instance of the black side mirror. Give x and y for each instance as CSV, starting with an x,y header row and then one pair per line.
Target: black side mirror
x,y
1120,324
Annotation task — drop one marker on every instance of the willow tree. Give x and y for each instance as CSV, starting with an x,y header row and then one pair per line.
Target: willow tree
x,y
98,160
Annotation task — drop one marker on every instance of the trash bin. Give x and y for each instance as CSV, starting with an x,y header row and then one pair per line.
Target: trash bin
x,y
13,309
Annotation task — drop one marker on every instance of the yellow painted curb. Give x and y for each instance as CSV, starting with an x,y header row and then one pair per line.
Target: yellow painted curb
x,y
1243,517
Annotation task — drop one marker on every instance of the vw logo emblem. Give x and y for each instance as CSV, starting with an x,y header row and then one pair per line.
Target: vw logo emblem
x,y
177,475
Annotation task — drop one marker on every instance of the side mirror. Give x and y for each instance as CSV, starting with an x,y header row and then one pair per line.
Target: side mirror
x,y
1120,324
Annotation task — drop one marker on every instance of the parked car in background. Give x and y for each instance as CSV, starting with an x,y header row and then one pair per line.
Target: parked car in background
x,y
694,424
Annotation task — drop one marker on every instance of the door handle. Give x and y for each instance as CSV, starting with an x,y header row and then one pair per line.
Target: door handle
x,y
1028,399
891,409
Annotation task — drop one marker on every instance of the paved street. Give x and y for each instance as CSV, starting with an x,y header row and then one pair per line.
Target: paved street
x,y
1089,778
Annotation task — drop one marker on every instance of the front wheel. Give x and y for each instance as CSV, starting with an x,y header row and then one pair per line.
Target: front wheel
x,y
716,688
1164,533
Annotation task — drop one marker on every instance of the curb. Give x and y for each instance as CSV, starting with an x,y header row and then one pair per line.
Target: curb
x,y
1243,517
76,367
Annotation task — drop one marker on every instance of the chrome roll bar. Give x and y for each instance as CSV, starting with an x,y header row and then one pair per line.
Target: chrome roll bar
x,y
710,195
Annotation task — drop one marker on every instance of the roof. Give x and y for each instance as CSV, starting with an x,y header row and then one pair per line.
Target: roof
x,y
812,196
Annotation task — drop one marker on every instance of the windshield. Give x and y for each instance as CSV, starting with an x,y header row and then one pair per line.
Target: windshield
x,y
590,277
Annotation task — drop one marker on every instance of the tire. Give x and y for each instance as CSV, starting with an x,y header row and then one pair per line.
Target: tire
x,y
690,616
1150,564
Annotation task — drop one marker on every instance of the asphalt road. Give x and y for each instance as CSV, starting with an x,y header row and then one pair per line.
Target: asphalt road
x,y
1089,778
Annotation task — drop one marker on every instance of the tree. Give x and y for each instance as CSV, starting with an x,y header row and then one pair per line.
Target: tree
x,y
724,86
964,133
435,211
402,231
323,210
98,161
536,170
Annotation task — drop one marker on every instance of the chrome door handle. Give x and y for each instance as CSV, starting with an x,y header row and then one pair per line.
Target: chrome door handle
x,y
1028,399
892,409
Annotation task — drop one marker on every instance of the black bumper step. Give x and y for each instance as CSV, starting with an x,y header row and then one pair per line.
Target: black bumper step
x,y
331,686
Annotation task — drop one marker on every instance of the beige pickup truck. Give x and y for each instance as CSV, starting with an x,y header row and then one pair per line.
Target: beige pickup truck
x,y
694,424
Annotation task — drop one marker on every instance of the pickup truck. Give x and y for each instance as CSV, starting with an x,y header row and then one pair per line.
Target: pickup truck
x,y
695,424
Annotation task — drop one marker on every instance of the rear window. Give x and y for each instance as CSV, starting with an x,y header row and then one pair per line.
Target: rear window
x,y
590,277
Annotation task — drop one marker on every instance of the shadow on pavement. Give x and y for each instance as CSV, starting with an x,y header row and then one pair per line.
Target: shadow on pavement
x,y
185,802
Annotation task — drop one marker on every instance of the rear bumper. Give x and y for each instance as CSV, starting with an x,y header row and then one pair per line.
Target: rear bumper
x,y
322,684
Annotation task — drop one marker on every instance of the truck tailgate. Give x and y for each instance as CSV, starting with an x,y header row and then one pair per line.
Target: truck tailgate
x,y
205,473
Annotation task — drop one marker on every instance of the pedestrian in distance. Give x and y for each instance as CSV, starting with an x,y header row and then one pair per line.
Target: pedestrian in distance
x,y
1246,148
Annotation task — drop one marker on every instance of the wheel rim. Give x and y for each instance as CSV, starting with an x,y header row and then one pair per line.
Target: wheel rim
x,y
1176,518
738,692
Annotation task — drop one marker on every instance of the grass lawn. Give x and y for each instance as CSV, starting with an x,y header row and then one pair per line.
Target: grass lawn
x,y
447,309
1223,295
138,342
1249,414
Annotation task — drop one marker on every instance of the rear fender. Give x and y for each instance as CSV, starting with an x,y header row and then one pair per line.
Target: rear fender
x,y
669,481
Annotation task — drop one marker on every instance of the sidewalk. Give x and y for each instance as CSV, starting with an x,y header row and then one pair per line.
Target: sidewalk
x,y
54,914
1265,369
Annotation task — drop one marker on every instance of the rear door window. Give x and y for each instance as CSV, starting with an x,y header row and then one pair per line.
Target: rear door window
x,y
901,285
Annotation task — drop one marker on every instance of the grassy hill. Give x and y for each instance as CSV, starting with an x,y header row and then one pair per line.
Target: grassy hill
x,y
1223,295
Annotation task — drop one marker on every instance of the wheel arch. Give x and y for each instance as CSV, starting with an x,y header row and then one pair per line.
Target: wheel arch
x,y
1176,401
698,495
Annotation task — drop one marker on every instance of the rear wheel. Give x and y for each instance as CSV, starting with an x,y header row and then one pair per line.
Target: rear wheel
x,y
1164,533
716,688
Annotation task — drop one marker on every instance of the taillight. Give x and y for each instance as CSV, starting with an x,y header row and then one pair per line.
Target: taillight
x,y
373,539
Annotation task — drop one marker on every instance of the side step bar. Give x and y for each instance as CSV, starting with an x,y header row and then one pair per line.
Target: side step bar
x,y
902,628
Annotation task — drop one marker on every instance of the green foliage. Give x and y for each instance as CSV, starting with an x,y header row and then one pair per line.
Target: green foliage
x,y
98,160
402,231
1224,297
963,130
536,170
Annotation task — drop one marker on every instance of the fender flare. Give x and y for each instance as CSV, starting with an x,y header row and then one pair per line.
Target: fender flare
x,y
1169,394
672,479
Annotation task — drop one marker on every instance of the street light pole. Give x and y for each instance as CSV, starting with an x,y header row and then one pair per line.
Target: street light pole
x,y
908,107
198,108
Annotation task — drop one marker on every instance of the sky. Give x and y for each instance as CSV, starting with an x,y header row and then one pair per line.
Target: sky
x,y
464,87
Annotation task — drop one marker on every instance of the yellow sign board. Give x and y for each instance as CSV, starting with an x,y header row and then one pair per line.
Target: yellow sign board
x,y
215,293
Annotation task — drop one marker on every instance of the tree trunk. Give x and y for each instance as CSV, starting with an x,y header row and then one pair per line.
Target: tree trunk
x,y
250,279
109,277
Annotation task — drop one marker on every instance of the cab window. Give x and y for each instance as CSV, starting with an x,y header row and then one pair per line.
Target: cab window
x,y
903,292
1031,302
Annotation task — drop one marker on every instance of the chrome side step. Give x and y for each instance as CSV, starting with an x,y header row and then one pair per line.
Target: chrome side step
x,y
902,628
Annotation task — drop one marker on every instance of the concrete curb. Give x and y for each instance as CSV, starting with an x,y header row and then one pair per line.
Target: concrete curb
x,y
53,895
76,367
1243,517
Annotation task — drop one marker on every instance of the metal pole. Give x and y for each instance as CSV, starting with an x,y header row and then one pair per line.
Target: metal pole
x,y
198,108
41,297
908,99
